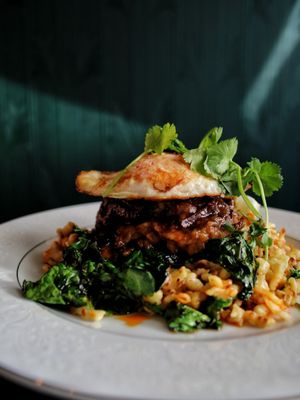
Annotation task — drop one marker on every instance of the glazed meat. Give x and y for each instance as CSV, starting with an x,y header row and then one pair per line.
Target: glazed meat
x,y
179,224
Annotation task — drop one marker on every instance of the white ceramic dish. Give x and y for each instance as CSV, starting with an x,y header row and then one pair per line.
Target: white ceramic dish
x,y
59,354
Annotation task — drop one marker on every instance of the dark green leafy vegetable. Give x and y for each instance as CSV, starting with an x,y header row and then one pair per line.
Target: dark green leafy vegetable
x,y
107,288
59,286
139,283
154,261
83,249
295,273
258,235
182,318
86,278
235,255
213,308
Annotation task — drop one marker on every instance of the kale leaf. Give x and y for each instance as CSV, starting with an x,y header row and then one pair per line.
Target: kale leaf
x,y
85,248
213,307
154,261
236,256
59,286
182,318
85,277
106,288
139,283
294,273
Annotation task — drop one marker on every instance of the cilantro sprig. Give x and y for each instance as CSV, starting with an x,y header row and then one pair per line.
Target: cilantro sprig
x,y
157,140
214,158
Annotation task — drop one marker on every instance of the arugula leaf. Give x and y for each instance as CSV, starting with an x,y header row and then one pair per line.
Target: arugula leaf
x,y
60,286
182,318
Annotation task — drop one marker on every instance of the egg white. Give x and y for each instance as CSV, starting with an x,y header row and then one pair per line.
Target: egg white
x,y
153,177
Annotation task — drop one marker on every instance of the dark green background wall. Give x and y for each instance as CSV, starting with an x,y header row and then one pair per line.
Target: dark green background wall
x,y
80,82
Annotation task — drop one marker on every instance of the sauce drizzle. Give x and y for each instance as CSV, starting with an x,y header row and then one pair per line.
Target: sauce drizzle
x,y
133,319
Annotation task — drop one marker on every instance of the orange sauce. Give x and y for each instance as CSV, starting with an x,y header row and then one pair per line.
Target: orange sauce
x,y
133,319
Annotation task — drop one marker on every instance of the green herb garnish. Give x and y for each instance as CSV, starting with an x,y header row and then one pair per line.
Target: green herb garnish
x,y
214,158
158,139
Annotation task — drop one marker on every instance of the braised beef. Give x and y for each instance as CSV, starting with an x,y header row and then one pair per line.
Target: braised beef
x,y
180,224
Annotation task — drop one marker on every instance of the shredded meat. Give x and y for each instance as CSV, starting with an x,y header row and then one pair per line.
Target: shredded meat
x,y
179,224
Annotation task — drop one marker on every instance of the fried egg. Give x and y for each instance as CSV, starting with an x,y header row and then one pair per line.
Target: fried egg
x,y
154,177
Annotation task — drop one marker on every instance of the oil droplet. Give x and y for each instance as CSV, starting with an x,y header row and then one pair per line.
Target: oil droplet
x,y
133,319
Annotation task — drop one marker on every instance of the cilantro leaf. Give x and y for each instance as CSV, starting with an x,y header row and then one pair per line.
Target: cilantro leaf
x,y
212,137
212,158
258,235
157,139
229,180
219,156
177,146
160,138
196,157
269,174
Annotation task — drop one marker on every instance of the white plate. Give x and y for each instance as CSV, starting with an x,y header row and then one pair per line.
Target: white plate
x,y
57,353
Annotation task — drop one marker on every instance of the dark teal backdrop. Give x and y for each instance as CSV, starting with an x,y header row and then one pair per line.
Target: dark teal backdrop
x,y
80,82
